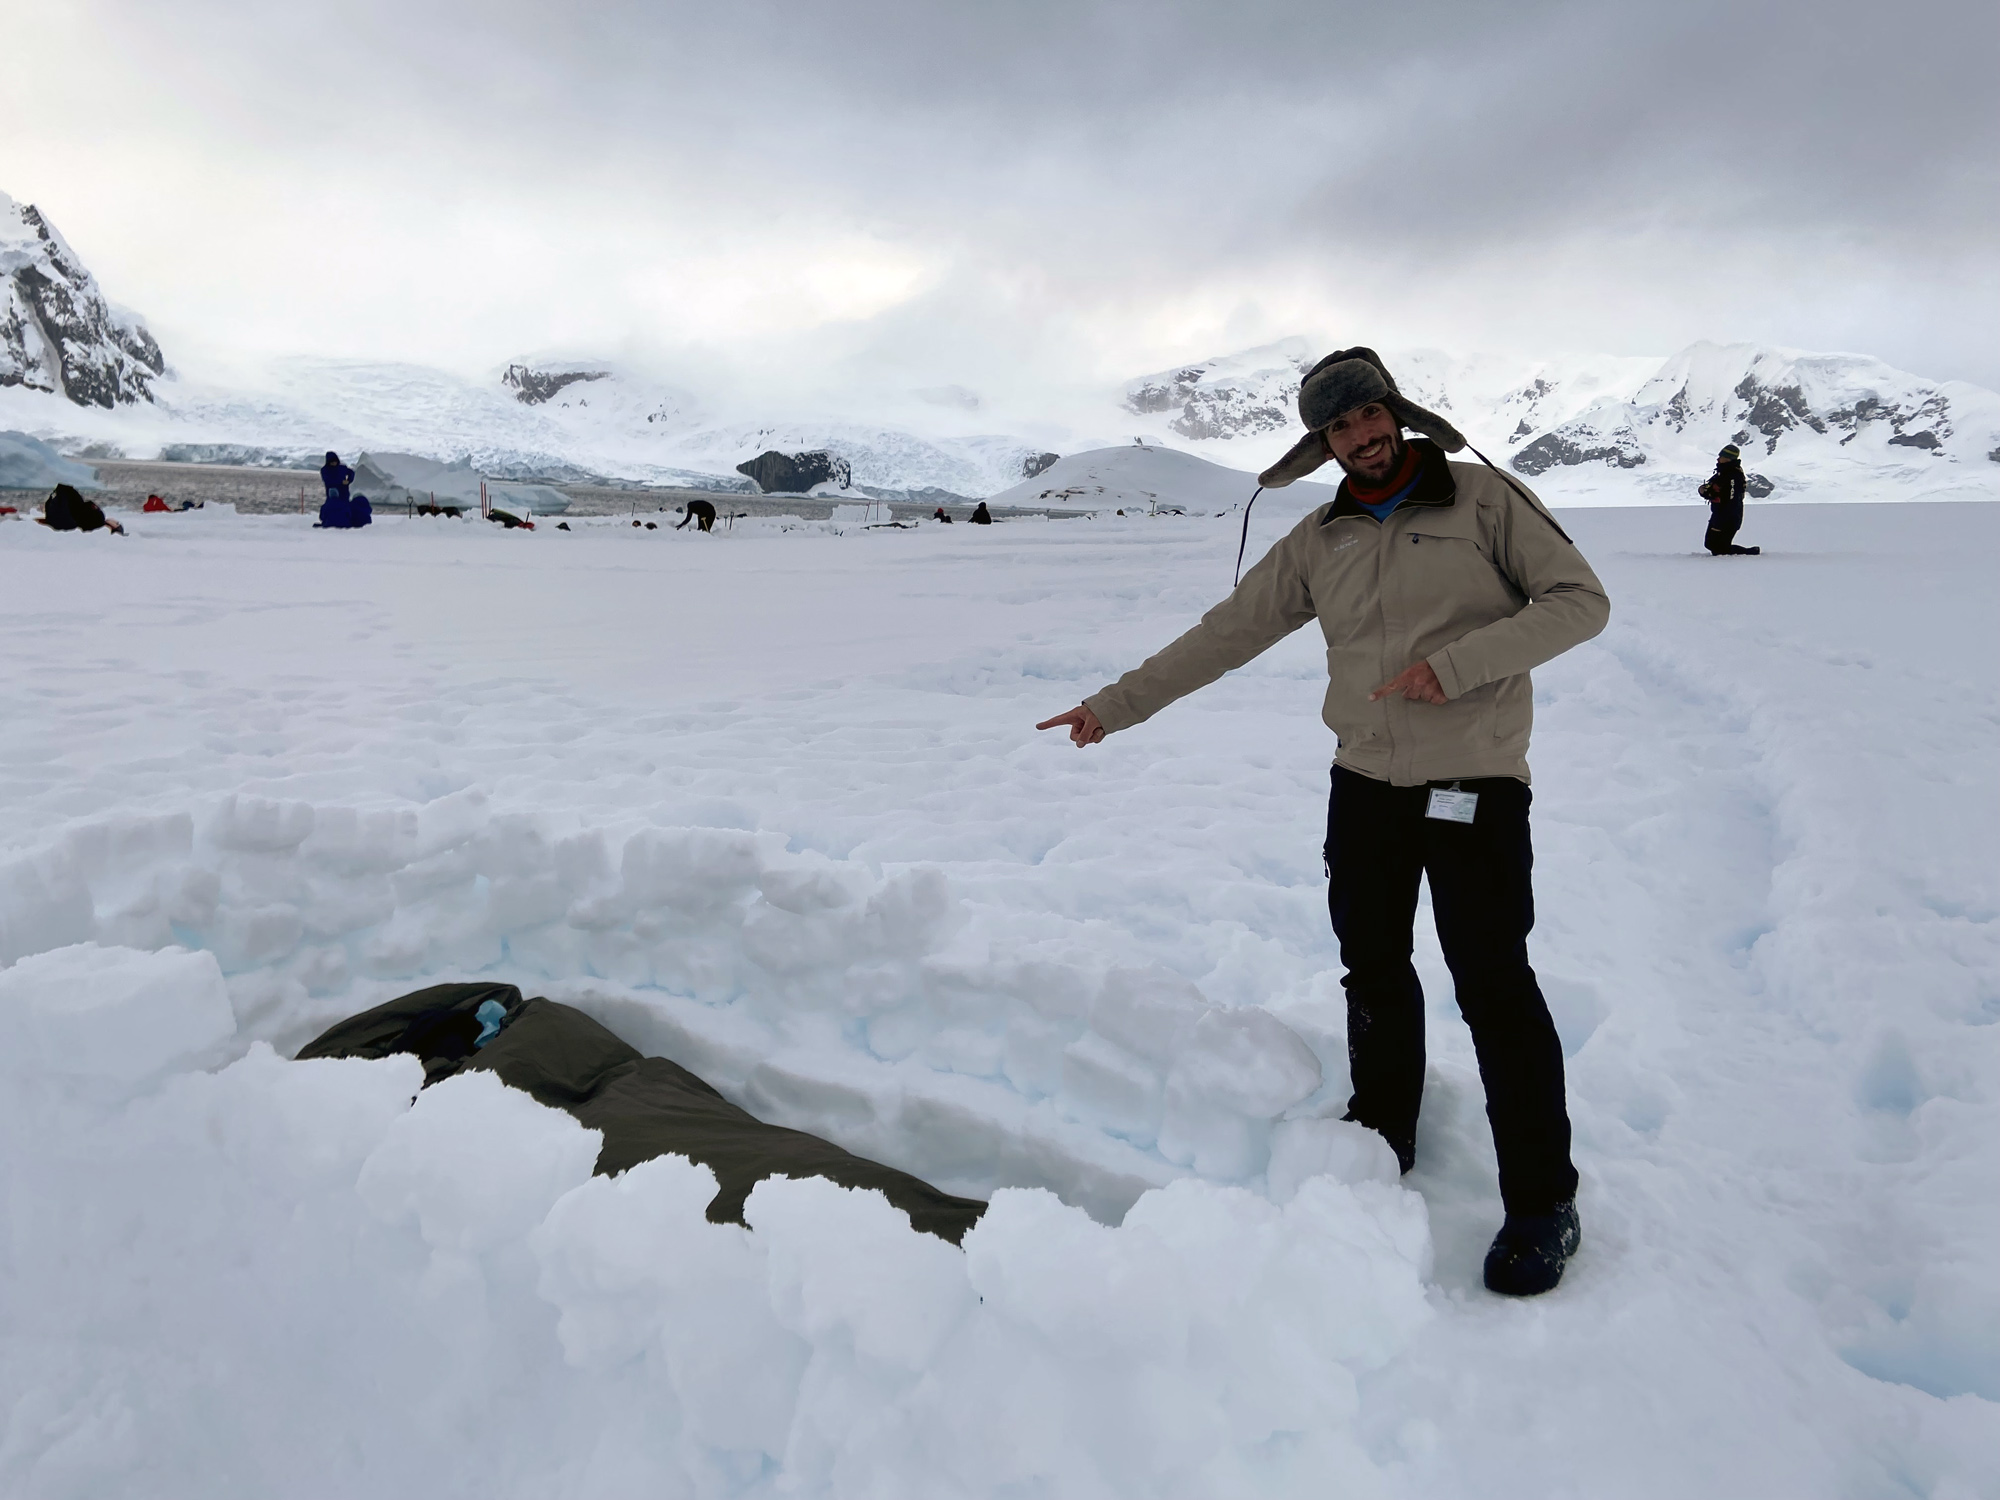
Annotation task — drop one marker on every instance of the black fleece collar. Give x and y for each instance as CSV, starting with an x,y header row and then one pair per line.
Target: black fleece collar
x,y
1434,487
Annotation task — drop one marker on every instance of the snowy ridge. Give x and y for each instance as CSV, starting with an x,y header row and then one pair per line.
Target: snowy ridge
x,y
58,334
1802,419
1144,478
1823,426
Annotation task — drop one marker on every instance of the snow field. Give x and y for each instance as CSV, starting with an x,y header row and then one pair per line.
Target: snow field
x,y
773,809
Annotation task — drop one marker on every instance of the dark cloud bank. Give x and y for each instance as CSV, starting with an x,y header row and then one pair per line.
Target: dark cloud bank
x,y
1538,175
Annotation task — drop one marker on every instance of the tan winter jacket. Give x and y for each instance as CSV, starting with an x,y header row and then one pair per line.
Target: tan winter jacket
x,y
1466,574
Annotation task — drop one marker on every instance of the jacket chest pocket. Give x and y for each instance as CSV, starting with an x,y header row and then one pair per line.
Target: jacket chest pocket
x,y
1438,566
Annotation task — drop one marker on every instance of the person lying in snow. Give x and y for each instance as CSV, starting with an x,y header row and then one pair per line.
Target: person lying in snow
x,y
643,1106
1460,574
1724,494
67,510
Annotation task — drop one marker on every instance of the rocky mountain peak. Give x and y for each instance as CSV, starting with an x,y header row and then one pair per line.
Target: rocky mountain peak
x,y
1231,396
58,333
532,387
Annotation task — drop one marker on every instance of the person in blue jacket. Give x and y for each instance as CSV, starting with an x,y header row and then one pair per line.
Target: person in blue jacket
x,y
336,476
339,512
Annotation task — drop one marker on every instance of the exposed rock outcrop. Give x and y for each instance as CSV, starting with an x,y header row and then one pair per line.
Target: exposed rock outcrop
x,y
1234,396
532,387
1580,442
1035,463
57,331
776,473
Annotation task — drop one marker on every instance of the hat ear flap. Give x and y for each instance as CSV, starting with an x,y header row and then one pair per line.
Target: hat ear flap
x,y
1307,454
1429,423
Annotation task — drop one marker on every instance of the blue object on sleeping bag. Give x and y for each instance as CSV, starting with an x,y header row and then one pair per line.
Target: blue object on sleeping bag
x,y
491,1015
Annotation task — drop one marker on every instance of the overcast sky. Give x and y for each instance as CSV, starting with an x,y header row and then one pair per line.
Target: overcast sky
x,y
1016,195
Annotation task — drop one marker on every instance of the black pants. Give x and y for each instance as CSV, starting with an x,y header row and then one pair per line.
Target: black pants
x,y
1724,521
1378,843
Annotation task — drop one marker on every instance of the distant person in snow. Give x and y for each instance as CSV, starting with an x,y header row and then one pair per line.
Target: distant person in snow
x,y
701,513
1724,494
67,510
981,516
1461,582
939,515
336,476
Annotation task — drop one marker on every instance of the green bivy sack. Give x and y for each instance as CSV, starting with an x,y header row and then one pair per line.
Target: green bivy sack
x,y
646,1106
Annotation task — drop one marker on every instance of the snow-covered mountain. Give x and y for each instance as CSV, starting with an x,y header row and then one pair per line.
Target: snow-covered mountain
x,y
1818,424
58,334
88,377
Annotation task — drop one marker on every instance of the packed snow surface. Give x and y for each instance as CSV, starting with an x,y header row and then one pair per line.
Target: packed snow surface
x,y
767,801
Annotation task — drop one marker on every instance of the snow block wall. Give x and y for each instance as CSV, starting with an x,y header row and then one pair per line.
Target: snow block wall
x,y
822,994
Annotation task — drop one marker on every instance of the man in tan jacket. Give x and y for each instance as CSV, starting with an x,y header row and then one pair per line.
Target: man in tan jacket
x,y
1438,587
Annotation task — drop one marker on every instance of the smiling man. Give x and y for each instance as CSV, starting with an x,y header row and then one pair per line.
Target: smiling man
x,y
1438,587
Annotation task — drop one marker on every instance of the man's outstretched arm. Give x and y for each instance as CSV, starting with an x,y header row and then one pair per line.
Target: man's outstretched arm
x,y
1270,603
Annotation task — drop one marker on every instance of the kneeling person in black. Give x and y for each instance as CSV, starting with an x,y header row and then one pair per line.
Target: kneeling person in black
x,y
1724,494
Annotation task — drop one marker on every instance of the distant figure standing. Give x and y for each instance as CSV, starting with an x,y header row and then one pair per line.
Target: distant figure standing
x,y
336,476
1724,494
981,516
701,513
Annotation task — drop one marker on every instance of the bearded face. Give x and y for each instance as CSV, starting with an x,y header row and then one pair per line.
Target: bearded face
x,y
1366,442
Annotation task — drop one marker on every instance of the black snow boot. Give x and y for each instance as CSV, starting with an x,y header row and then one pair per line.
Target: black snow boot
x,y
1530,1251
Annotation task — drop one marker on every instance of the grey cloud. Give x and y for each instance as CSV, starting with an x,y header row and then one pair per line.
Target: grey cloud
x,y
1121,147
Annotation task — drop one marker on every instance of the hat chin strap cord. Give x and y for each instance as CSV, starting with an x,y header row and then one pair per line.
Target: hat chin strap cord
x,y
1246,539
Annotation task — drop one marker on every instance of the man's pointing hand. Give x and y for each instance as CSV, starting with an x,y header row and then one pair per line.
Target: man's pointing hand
x,y
1419,684
1081,723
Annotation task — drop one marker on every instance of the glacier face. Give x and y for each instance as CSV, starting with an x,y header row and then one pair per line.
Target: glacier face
x,y
57,332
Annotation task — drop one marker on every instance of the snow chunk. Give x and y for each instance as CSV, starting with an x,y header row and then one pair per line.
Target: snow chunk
x,y
117,1014
476,1163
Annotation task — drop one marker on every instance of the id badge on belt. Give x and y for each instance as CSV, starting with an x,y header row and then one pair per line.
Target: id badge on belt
x,y
1450,805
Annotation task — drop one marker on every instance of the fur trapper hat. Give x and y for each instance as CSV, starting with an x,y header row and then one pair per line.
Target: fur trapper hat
x,y
1344,380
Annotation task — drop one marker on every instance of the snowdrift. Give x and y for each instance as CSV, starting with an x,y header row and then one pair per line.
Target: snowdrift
x,y
1143,478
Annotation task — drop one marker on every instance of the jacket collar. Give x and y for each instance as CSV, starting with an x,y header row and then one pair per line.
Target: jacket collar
x,y
1435,487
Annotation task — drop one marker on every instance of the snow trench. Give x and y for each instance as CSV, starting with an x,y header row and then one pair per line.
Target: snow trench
x,y
1179,1286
